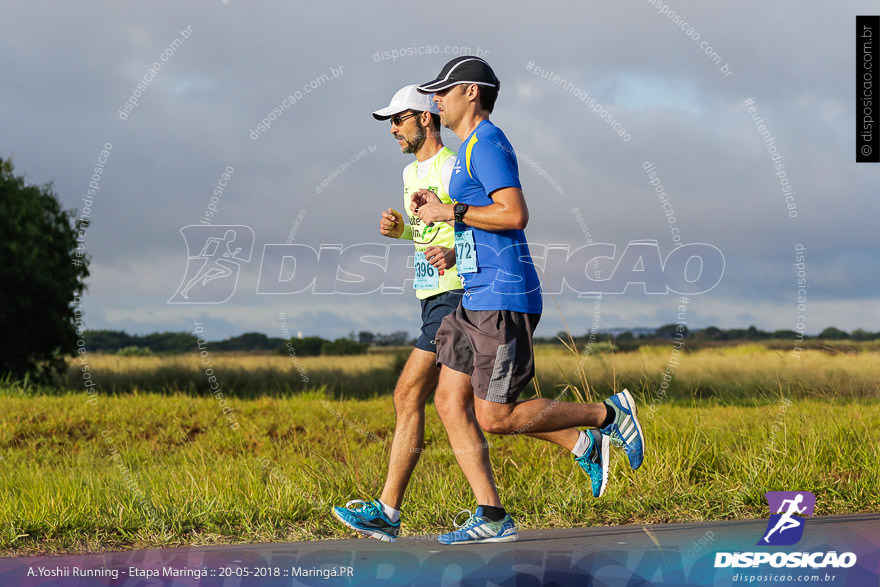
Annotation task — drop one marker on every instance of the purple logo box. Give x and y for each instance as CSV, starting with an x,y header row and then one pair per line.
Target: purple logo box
x,y
786,524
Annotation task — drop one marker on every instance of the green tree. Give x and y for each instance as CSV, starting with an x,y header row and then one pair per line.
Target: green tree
x,y
42,277
168,342
343,346
832,333
309,346
861,334
784,334
711,333
625,337
249,341
754,334
108,340
671,331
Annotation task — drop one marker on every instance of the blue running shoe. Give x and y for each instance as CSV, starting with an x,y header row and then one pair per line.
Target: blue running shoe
x,y
478,528
625,431
595,461
368,519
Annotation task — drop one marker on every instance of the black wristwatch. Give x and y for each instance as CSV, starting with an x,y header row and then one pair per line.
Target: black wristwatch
x,y
458,210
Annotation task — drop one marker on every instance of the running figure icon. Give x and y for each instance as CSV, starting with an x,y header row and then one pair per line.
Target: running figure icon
x,y
212,273
216,264
787,522
787,519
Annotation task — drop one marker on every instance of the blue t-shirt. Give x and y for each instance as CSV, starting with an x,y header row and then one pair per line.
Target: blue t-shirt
x,y
505,278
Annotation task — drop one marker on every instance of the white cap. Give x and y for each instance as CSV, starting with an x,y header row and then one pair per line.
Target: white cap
x,y
407,98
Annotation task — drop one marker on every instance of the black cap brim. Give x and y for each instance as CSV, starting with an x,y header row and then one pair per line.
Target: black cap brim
x,y
461,70
438,85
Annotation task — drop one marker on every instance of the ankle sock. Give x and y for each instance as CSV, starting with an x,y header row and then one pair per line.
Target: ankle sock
x,y
609,416
583,444
492,513
390,513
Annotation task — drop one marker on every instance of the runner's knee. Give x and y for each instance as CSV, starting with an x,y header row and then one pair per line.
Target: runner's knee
x,y
494,421
410,399
410,393
449,406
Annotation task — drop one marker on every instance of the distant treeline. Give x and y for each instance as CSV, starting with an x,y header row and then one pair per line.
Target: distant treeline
x,y
120,342
712,334
114,341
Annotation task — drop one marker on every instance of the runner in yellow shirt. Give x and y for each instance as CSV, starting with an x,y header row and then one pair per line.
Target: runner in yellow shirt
x,y
415,123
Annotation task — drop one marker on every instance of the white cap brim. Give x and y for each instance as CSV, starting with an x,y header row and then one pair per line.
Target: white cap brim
x,y
407,98
388,112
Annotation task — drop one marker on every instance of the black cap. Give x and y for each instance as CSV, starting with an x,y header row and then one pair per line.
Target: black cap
x,y
462,70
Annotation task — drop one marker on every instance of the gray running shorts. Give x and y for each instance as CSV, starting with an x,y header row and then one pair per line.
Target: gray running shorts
x,y
494,347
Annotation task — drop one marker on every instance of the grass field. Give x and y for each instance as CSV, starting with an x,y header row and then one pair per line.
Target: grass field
x,y
150,464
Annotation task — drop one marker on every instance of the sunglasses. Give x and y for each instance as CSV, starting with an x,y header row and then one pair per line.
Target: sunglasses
x,y
397,118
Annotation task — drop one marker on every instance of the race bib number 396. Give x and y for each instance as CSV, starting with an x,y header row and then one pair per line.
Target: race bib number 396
x,y
427,276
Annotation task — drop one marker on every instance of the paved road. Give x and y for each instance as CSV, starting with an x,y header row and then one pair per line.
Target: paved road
x,y
660,554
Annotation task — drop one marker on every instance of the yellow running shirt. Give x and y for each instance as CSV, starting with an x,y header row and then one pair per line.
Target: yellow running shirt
x,y
440,234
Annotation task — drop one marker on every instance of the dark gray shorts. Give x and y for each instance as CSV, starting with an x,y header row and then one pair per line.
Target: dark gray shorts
x,y
494,347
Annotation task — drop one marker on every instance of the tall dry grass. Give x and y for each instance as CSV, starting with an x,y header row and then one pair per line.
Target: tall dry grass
x,y
653,373
728,374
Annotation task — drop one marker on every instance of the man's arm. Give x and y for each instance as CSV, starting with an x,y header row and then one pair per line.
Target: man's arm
x,y
441,257
391,225
507,212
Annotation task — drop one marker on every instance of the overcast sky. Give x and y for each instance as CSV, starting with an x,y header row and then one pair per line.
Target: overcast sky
x,y
69,69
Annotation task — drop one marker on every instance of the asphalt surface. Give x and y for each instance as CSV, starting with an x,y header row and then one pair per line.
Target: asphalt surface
x,y
658,554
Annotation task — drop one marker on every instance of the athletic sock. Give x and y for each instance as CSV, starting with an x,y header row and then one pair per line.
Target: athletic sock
x,y
390,513
583,444
609,416
492,513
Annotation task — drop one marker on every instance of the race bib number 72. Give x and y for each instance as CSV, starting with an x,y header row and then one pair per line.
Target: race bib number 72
x,y
465,252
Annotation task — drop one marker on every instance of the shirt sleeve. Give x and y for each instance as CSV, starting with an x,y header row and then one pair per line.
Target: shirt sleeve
x,y
446,172
494,164
407,229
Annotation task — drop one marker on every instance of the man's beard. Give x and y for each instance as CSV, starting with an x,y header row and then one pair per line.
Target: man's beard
x,y
415,143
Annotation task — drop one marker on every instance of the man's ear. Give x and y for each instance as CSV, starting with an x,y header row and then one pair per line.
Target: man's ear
x,y
472,92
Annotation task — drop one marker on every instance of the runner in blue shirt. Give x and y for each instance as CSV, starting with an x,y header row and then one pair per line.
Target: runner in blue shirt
x,y
485,347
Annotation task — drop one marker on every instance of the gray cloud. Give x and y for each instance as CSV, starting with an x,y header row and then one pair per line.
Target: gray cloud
x,y
68,72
